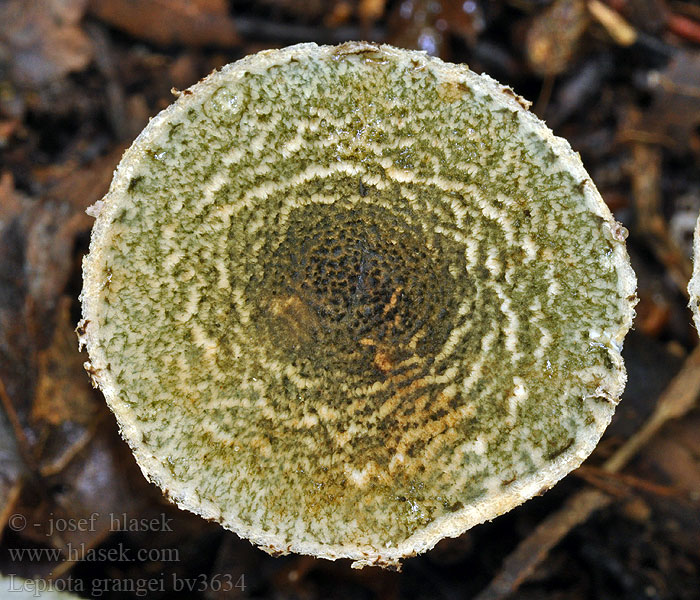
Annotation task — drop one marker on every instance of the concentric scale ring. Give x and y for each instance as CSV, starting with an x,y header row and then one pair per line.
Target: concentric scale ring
x,y
350,300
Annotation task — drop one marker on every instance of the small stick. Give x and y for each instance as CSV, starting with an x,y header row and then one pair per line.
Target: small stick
x,y
620,30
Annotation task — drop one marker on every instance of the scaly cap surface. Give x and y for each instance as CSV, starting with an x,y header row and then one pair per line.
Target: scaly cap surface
x,y
348,301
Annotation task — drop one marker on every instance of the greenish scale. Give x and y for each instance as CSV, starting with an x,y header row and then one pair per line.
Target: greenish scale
x,y
296,304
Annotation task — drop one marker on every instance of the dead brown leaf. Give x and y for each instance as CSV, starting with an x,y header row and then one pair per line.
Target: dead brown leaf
x,y
51,234
165,22
73,510
371,10
10,205
37,246
66,410
44,39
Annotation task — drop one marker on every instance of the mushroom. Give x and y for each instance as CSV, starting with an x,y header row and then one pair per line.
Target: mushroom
x,y
348,301
694,283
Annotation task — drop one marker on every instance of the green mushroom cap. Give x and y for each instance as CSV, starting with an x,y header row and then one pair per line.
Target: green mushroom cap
x,y
350,300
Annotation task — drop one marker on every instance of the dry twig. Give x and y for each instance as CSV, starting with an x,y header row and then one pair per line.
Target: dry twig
x,y
622,484
618,28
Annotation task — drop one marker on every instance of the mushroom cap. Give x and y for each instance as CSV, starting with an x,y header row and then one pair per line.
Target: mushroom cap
x,y
348,301
694,283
